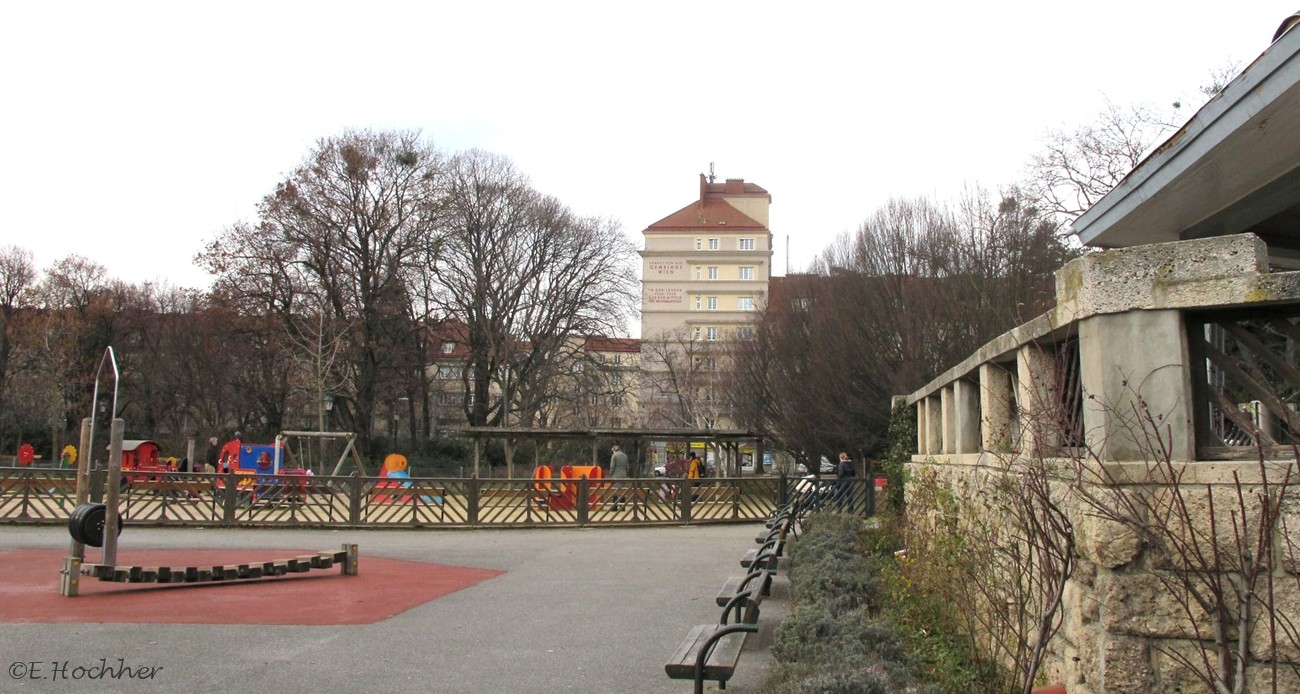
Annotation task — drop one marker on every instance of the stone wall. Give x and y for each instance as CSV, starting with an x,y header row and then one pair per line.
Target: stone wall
x,y
1126,614
1129,624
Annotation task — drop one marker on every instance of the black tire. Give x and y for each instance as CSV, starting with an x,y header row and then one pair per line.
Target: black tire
x,y
74,522
92,525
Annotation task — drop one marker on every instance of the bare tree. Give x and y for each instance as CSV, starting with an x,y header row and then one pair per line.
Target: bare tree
x,y
352,222
683,379
915,289
525,276
1075,169
17,284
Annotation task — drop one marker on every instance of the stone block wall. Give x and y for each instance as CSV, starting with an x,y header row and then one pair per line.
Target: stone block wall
x,y
1128,625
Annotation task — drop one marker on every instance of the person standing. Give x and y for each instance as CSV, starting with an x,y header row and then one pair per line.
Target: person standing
x,y
617,462
844,474
617,470
210,456
695,468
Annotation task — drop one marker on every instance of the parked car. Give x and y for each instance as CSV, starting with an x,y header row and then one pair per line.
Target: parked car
x,y
825,467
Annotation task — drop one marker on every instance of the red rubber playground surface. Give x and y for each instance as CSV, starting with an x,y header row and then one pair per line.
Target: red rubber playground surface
x,y
29,590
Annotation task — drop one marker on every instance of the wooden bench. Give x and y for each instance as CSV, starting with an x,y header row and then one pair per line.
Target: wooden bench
x,y
768,556
711,651
736,585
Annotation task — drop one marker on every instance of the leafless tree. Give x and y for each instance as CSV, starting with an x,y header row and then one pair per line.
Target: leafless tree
x,y
352,222
525,275
1075,169
915,289
17,285
683,380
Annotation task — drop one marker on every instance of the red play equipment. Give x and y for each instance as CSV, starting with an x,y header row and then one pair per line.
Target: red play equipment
x,y
564,495
140,460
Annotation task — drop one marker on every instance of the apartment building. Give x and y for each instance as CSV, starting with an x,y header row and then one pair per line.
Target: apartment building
x,y
596,385
705,270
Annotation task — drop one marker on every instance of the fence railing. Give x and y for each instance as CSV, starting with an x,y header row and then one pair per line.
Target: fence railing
x,y
43,495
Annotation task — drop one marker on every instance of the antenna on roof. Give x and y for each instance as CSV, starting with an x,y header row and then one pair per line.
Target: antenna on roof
x,y
711,176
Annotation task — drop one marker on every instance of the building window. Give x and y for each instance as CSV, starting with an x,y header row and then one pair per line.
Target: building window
x,y
616,379
699,272
616,399
448,398
745,332
746,273
711,333
713,244
447,372
699,302
713,273
616,422
745,303
713,303
448,347
699,244
695,334
746,244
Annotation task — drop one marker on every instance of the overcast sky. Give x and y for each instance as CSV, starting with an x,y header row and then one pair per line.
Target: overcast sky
x,y
138,131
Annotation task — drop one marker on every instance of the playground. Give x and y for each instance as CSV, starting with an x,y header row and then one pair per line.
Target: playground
x,y
537,610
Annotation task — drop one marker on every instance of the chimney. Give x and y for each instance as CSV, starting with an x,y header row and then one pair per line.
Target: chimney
x,y
734,186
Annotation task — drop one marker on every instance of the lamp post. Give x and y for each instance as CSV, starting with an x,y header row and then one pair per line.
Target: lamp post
x,y
326,407
393,417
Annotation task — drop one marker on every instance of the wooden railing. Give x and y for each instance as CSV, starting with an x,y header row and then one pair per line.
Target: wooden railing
x,y
42,495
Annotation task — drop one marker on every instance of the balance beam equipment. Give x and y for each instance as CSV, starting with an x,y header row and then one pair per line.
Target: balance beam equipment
x,y
346,559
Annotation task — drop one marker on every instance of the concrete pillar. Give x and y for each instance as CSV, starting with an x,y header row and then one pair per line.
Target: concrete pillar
x,y
934,425
947,407
1039,400
996,400
922,439
1130,361
966,405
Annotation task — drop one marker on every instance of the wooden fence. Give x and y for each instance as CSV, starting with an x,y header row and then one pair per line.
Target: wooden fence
x,y
46,496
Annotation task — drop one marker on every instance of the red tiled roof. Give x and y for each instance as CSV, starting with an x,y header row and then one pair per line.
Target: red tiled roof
x,y
711,213
600,343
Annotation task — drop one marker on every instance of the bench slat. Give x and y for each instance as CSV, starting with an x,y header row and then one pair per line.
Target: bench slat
x,y
721,664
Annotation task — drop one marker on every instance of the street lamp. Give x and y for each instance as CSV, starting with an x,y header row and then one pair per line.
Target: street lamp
x,y
394,416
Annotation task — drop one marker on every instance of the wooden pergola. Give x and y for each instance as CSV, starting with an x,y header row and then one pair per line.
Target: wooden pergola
x,y
728,440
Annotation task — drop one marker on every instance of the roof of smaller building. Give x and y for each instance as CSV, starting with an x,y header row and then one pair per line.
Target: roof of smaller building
x,y
600,343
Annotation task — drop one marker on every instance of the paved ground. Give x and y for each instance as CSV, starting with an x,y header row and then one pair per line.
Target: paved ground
x,y
575,610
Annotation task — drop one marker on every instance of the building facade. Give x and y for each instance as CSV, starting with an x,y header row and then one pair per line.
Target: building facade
x,y
705,271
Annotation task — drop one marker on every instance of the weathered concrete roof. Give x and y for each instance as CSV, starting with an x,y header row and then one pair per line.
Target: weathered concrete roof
x,y
1234,167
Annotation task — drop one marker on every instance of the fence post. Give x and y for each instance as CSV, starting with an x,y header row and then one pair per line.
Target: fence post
x,y
354,500
228,503
473,491
871,495
584,500
684,498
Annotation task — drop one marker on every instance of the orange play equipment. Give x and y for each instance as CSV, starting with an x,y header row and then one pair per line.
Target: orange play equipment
x,y
564,495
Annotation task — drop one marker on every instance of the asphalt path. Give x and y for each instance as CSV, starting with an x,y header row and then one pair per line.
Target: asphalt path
x,y
576,610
